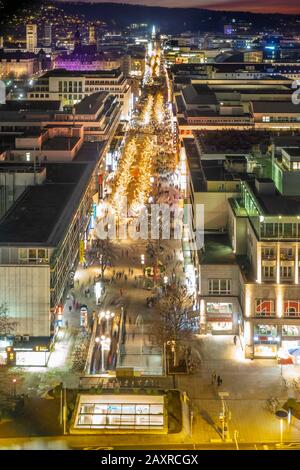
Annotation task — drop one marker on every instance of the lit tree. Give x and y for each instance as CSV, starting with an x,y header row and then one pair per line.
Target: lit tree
x,y
174,322
7,326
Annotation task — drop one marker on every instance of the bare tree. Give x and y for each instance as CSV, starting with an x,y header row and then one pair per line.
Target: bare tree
x,y
7,326
105,254
174,321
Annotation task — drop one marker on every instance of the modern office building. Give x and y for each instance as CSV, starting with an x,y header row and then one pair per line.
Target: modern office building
x,y
48,35
31,37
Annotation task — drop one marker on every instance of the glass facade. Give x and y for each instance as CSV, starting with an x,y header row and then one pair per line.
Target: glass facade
x,y
129,413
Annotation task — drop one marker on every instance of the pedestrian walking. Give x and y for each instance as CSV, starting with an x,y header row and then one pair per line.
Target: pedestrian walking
x,y
219,381
234,340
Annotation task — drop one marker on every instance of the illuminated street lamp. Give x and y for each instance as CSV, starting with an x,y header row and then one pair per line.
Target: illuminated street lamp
x,y
14,381
143,263
105,346
166,282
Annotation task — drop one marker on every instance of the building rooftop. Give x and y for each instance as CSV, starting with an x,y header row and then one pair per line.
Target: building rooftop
x,y
42,214
91,104
217,250
199,95
28,105
228,142
278,107
91,73
90,151
275,203
60,143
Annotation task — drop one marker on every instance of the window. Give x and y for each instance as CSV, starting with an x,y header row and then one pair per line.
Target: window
x,y
268,272
219,286
286,253
264,308
290,330
265,330
291,308
268,253
266,118
285,272
22,255
32,255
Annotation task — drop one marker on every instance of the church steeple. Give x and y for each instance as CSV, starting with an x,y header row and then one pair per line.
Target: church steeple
x,y
77,40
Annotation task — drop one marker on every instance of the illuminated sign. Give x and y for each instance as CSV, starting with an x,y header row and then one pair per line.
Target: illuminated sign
x,y
81,251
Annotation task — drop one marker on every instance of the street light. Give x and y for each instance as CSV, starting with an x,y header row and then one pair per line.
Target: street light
x,y
105,346
225,417
143,263
166,282
14,381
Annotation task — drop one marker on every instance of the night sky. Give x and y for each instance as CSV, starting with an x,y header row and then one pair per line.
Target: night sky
x,y
263,6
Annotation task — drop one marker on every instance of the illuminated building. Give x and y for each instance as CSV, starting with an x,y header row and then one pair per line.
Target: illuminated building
x,y
70,87
47,35
31,37
38,252
18,64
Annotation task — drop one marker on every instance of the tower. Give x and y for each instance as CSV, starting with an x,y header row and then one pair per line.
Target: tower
x,y
47,35
92,35
31,37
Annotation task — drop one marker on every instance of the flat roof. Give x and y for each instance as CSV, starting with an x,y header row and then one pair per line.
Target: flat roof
x,y
280,107
91,73
275,203
292,151
28,105
217,250
90,151
199,94
60,143
224,141
41,215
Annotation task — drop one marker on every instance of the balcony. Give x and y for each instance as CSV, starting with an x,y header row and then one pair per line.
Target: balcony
x,y
268,256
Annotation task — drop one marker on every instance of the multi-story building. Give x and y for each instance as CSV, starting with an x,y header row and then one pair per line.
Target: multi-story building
x,y
18,64
48,35
249,266
39,245
31,37
41,129
70,87
265,232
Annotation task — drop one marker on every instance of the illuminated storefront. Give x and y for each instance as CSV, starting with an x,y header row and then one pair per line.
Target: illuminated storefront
x,y
219,317
120,413
29,351
266,340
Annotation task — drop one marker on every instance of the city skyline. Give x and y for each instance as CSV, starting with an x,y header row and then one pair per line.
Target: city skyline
x,y
149,230
268,6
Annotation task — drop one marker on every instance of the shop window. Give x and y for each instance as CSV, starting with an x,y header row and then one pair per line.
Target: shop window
x,y
290,330
269,331
291,308
264,308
